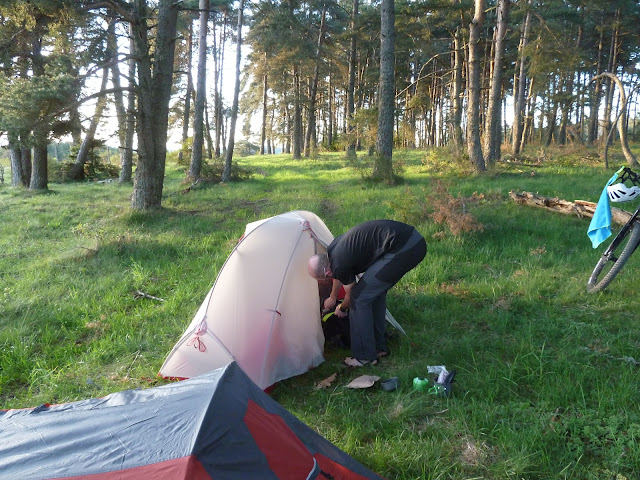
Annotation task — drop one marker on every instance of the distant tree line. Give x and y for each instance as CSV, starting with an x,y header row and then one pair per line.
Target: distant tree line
x,y
331,74
458,66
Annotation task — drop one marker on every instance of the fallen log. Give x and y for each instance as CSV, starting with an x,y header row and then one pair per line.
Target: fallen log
x,y
581,208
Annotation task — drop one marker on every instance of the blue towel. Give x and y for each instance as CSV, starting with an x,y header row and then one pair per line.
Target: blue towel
x,y
600,226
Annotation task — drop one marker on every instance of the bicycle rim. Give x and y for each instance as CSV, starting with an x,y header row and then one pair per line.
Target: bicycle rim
x,y
615,257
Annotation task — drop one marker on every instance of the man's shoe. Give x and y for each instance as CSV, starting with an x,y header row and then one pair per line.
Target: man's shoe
x,y
354,362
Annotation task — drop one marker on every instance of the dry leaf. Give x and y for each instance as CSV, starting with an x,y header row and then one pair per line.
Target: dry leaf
x,y
326,383
364,381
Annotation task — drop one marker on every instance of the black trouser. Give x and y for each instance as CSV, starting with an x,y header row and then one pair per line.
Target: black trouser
x,y
369,297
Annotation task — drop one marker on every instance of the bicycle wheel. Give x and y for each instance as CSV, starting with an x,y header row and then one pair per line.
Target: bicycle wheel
x,y
614,257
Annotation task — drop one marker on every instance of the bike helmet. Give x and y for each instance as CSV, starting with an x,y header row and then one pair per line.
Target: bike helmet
x,y
621,193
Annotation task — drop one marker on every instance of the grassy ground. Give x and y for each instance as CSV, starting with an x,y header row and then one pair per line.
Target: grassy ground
x,y
543,389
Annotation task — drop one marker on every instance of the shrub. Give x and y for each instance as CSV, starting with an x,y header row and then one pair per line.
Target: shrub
x,y
211,171
440,206
93,171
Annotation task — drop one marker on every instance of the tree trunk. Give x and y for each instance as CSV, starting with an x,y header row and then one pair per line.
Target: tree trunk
x,y
218,115
594,105
613,56
383,166
263,128
351,127
287,126
330,104
492,137
187,99
226,174
457,91
628,155
75,126
39,173
118,97
565,109
581,208
154,91
474,147
195,166
271,144
38,179
126,166
519,97
552,113
297,116
569,97
527,127
15,161
76,172
27,165
207,130
311,110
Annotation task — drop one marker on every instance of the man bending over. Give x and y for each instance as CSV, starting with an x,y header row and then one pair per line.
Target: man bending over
x,y
383,251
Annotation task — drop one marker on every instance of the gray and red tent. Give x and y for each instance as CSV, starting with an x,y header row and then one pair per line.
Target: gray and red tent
x,y
217,426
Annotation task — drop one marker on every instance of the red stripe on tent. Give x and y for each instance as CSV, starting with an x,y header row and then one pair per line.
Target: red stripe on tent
x,y
179,468
337,471
287,456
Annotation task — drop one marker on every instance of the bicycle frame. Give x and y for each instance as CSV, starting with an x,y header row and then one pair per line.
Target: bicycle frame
x,y
630,175
607,253
622,246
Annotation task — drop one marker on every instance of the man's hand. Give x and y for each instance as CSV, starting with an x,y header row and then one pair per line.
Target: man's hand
x,y
329,304
339,312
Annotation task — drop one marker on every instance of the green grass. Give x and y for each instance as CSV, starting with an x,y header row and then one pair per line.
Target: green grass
x,y
541,392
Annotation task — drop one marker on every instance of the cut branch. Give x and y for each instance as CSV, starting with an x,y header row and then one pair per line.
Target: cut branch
x,y
580,208
141,294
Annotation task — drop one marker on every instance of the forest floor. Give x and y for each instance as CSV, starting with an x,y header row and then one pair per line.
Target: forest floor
x,y
544,386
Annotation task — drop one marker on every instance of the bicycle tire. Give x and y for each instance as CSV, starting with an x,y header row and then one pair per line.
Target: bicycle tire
x,y
626,243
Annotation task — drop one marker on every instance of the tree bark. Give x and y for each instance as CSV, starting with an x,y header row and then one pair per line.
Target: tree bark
x,y
187,99
594,105
383,166
331,97
457,91
474,146
519,97
351,87
76,172
296,139
39,178
226,173
15,161
26,159
581,208
287,126
492,137
613,55
39,173
126,165
622,121
311,110
263,127
118,97
207,130
218,77
195,167
154,91
528,113
552,113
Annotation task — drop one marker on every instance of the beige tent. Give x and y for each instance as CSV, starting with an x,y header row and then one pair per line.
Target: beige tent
x,y
263,310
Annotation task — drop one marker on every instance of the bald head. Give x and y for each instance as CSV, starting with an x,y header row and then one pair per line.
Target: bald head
x,y
319,267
